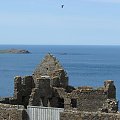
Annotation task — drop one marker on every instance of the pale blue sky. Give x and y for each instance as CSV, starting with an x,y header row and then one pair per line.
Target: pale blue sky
x,y
44,22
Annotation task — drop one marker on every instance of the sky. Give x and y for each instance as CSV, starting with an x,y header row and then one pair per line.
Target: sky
x,y
44,22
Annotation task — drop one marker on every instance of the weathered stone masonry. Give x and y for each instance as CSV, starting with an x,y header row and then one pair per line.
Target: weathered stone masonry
x,y
48,86
12,112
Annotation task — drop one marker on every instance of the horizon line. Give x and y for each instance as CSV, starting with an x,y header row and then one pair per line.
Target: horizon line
x,y
66,44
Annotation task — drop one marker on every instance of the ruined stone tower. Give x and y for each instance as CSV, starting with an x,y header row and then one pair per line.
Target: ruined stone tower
x,y
50,68
48,86
48,75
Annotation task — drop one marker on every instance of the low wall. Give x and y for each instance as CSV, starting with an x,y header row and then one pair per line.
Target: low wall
x,y
89,116
12,112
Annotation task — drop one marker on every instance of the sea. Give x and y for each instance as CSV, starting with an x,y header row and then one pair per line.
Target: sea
x,y
86,65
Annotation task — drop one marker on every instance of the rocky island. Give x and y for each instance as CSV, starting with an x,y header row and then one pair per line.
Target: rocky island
x,y
15,51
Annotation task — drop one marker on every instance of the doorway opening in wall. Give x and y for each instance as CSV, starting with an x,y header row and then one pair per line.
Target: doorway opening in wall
x,y
23,99
24,102
74,103
60,103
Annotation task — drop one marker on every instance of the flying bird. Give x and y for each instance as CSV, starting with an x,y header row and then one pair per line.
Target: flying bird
x,y
62,6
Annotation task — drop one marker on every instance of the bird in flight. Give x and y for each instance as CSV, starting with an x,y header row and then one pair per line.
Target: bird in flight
x,y
62,6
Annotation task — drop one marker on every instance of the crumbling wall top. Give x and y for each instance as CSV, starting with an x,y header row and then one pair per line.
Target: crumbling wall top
x,y
47,67
52,69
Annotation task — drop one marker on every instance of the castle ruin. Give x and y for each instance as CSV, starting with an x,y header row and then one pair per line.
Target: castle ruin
x,y
48,86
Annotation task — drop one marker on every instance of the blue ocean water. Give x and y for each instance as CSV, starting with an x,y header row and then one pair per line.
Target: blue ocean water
x,y
85,65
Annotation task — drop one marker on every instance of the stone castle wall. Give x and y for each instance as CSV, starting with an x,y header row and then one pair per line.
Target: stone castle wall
x,y
90,100
12,112
48,86
74,115
22,89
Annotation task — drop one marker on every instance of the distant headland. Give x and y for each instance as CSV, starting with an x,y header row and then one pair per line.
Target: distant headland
x,y
14,51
